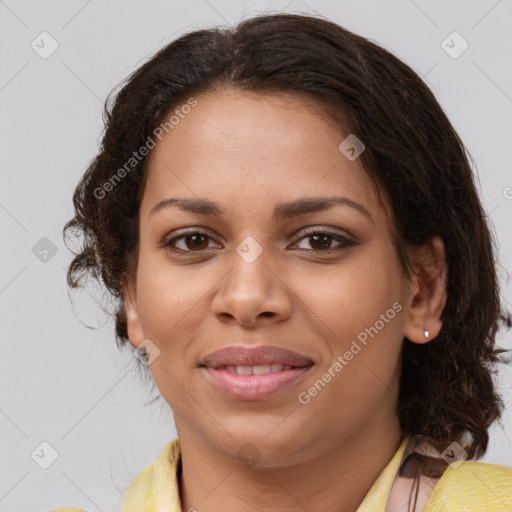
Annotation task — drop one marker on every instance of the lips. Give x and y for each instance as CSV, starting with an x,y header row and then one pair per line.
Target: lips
x,y
254,387
241,356
254,373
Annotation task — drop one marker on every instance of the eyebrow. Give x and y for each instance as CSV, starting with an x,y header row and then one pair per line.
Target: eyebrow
x,y
282,211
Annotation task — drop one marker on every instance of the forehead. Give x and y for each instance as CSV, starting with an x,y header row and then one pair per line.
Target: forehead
x,y
246,123
245,148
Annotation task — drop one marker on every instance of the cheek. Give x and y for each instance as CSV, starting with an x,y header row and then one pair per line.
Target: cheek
x,y
359,312
169,308
351,297
166,290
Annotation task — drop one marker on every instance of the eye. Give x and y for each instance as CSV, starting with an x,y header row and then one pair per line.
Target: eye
x,y
193,241
320,240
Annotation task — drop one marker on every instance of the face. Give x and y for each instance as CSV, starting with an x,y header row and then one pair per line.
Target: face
x,y
323,282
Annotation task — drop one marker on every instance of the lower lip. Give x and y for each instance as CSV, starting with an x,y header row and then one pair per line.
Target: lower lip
x,y
255,387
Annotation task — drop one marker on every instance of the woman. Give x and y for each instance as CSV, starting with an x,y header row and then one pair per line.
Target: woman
x,y
290,226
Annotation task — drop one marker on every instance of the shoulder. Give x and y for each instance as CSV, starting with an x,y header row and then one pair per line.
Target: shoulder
x,y
472,486
154,485
157,484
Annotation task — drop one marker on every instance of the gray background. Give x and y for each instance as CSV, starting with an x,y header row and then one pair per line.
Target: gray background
x,y
68,385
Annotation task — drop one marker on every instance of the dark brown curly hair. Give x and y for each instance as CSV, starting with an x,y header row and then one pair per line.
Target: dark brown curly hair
x,y
412,153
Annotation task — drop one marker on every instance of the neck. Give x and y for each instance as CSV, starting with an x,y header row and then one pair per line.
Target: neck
x,y
335,480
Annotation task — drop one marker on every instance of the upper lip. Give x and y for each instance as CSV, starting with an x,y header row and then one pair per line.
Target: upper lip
x,y
239,355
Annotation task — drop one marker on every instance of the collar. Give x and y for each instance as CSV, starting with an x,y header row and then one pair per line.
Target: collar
x,y
156,488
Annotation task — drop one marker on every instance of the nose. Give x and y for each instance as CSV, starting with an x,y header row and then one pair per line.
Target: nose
x,y
252,294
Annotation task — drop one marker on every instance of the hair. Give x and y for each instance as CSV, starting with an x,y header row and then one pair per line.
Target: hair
x,y
412,153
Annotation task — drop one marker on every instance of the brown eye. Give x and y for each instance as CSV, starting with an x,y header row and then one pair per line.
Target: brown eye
x,y
321,240
190,242
196,241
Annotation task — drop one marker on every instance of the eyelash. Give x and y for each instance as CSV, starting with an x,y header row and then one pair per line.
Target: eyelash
x,y
344,241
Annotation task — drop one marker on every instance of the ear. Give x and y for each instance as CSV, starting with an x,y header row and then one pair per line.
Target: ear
x,y
428,295
133,323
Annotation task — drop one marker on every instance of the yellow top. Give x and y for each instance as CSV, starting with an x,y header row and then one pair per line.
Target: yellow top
x,y
470,486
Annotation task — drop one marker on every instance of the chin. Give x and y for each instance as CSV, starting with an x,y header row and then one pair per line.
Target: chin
x,y
264,448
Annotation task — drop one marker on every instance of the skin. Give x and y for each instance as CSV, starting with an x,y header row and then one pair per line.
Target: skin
x,y
248,153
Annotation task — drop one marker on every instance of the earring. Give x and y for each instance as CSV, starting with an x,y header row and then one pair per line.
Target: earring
x,y
426,334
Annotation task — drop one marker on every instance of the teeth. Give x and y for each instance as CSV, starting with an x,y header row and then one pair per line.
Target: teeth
x,y
258,369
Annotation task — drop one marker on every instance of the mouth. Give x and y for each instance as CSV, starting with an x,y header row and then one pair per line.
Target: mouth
x,y
262,369
254,386
254,373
